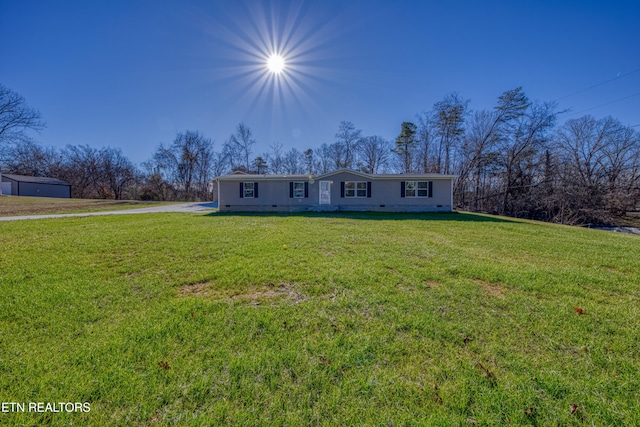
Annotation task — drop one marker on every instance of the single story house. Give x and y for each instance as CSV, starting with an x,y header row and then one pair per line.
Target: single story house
x,y
20,185
342,190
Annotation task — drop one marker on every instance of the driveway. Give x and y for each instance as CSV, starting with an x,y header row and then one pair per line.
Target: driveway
x,y
182,207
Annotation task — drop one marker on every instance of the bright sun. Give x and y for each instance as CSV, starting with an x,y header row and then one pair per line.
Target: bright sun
x,y
275,63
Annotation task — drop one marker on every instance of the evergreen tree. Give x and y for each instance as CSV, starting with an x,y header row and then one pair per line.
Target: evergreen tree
x,y
405,143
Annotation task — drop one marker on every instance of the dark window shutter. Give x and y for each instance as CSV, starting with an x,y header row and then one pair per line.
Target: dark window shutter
x,y
368,188
290,189
241,190
255,190
342,189
306,189
430,188
401,188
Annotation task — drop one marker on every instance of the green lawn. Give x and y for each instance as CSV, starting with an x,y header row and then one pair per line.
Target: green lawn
x,y
353,319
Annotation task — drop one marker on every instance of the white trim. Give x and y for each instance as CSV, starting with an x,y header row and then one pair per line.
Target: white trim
x,y
416,189
326,193
245,189
355,190
451,201
301,196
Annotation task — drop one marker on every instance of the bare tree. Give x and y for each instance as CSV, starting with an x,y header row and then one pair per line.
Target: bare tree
x,y
503,158
621,163
231,155
324,162
276,160
347,139
187,164
582,142
16,117
293,162
498,128
81,169
31,158
522,140
601,164
426,140
337,154
155,186
374,152
478,159
219,163
116,171
242,141
448,122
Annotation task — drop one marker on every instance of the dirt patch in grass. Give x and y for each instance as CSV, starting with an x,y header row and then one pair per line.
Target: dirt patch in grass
x,y
254,295
432,283
491,288
200,289
282,290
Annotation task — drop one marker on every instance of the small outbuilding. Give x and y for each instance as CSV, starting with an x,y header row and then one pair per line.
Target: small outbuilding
x,y
21,185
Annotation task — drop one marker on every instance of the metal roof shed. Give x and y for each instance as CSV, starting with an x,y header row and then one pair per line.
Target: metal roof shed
x,y
22,185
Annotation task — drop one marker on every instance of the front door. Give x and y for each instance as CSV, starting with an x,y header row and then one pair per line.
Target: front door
x,y
325,192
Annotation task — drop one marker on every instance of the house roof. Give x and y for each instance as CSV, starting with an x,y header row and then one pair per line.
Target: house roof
x,y
256,177
302,177
34,179
387,175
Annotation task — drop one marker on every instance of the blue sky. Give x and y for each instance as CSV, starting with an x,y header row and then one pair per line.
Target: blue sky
x,y
130,74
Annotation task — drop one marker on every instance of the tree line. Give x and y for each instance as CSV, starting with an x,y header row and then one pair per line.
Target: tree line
x,y
513,159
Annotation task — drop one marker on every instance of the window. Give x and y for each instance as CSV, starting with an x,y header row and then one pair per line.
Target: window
x,y
248,190
417,189
298,189
355,189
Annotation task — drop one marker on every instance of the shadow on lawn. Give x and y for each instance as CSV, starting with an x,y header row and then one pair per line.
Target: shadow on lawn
x,y
426,216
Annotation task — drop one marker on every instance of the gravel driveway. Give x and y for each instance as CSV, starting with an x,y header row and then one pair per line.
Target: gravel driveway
x,y
182,207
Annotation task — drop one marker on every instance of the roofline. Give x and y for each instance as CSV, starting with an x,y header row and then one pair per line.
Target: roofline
x,y
343,170
302,177
263,177
410,176
37,180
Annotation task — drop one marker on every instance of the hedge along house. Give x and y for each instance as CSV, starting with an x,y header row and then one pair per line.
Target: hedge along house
x,y
343,190
20,185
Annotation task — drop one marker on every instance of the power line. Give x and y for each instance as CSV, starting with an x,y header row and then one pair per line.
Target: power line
x,y
607,103
598,84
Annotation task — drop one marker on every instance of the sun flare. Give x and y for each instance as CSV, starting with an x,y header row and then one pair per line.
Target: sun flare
x,y
276,61
275,64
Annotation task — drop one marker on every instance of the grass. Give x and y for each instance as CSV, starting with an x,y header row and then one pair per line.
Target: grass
x,y
352,319
24,205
